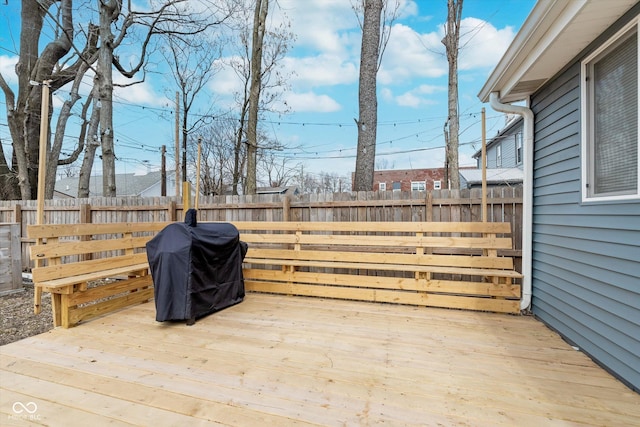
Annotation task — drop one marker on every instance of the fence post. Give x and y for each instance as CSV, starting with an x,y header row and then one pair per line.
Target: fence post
x,y
429,207
17,218
85,218
17,214
171,211
286,208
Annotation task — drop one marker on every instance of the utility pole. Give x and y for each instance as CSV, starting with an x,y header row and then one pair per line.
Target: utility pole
x,y
44,133
163,171
177,144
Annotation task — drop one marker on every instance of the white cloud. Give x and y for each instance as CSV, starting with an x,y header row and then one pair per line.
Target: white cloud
x,y
8,68
320,70
409,55
386,94
140,93
320,25
419,97
311,102
226,81
482,45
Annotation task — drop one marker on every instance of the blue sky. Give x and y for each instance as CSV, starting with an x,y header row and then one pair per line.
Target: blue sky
x,y
323,65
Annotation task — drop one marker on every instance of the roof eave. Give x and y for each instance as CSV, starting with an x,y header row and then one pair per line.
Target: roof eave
x,y
545,22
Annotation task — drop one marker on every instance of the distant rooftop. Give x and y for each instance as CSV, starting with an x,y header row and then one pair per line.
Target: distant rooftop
x,y
127,184
494,176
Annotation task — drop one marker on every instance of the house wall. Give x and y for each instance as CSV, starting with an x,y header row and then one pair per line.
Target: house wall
x,y
508,143
586,257
406,176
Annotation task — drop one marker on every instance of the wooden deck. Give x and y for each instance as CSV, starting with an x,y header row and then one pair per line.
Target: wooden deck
x,y
276,360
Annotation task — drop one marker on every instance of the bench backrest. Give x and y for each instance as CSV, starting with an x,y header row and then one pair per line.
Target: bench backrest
x,y
410,243
60,247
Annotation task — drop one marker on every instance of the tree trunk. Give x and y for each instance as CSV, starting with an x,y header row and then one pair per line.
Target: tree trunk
x,y
367,97
259,25
22,117
63,117
91,145
237,151
451,41
185,135
108,13
8,181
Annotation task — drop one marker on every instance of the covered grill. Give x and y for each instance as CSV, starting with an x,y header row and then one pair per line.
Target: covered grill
x,y
196,269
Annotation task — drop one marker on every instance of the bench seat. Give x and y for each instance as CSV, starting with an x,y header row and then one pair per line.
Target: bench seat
x,y
455,265
69,257
65,285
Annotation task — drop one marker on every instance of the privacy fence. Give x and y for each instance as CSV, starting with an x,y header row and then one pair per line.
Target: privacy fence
x,y
504,205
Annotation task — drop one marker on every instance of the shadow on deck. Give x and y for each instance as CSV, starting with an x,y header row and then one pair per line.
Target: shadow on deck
x,y
276,360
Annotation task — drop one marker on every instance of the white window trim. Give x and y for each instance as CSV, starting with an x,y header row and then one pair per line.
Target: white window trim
x,y
519,141
584,119
437,185
424,185
499,156
382,186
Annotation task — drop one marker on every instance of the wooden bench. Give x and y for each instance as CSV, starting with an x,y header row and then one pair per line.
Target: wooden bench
x,y
442,264
70,256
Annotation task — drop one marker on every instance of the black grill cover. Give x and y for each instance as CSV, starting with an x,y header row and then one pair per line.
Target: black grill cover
x,y
196,269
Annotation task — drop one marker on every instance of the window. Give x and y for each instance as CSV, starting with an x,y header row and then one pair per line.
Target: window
x,y
397,186
499,156
437,185
518,148
382,186
418,185
610,119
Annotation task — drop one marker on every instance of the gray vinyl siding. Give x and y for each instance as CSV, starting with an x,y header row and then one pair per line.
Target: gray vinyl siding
x,y
586,257
508,144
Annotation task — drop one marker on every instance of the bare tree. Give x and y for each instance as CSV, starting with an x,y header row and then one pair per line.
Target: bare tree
x,y
23,111
377,21
216,158
171,18
275,44
259,27
64,60
92,142
451,42
277,169
192,63
367,97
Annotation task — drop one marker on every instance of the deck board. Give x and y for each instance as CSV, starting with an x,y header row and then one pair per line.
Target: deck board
x,y
276,360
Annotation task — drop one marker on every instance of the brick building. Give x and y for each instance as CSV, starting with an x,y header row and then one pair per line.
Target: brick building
x,y
408,179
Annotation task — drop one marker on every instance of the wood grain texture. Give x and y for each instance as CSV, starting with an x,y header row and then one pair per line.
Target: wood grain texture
x,y
280,361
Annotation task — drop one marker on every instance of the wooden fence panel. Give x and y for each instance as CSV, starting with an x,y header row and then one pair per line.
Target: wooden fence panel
x,y
504,205
10,258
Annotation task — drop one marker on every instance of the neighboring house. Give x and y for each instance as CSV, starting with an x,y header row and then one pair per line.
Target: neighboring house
x,y
408,180
291,190
127,184
472,178
504,151
575,63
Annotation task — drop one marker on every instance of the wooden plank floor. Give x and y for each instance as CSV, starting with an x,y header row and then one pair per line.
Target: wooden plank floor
x,y
275,360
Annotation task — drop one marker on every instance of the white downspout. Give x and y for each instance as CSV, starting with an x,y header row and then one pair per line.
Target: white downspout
x,y
527,202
